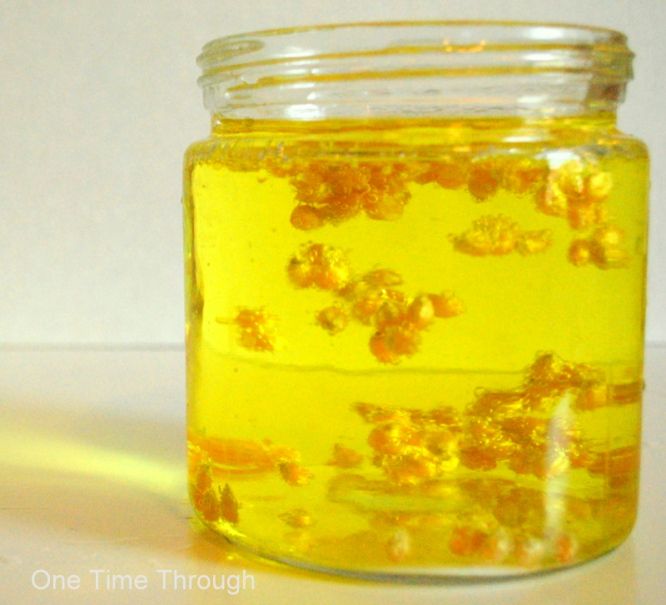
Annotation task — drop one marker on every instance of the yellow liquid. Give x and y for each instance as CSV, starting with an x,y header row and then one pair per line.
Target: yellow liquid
x,y
416,347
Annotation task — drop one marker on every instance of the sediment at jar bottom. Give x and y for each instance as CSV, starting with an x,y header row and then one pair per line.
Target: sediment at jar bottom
x,y
517,478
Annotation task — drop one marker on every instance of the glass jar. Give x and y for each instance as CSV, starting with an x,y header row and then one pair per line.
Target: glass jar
x,y
415,264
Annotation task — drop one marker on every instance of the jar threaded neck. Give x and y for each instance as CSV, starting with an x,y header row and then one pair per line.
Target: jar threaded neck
x,y
418,69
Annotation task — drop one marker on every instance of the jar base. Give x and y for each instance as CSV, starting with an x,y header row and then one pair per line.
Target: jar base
x,y
414,575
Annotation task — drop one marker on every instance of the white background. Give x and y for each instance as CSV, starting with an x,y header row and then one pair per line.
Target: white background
x,y
98,102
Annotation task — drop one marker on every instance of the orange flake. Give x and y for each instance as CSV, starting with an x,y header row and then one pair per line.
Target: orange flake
x,y
533,242
530,552
489,235
393,342
228,504
345,457
551,200
306,218
382,278
294,474
204,498
466,541
626,392
390,438
578,191
593,397
421,312
571,178
524,174
581,216
498,546
580,252
399,545
479,458
375,414
208,504
203,479
412,446
257,330
385,208
333,319
598,186
619,464
566,548
298,518
366,307
498,235
484,178
381,349
320,266
411,467
241,456
446,304
604,248
333,192
447,173
391,313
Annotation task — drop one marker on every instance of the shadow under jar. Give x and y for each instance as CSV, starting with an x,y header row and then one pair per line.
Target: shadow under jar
x,y
415,266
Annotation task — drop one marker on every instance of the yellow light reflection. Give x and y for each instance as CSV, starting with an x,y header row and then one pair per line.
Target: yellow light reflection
x,y
38,451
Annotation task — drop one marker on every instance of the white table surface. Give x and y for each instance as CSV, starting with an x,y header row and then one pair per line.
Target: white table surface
x,y
92,477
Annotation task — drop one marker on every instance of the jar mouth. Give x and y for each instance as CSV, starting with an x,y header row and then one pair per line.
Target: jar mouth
x,y
425,68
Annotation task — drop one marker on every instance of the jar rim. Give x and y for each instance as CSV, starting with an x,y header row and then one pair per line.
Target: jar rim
x,y
249,69
610,34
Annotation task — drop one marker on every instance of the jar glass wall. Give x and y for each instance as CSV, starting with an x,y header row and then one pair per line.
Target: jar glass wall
x,y
415,266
